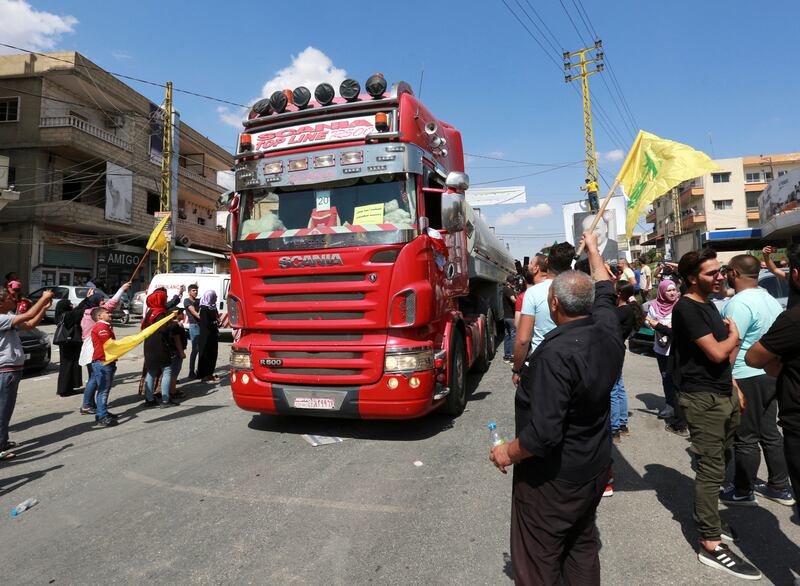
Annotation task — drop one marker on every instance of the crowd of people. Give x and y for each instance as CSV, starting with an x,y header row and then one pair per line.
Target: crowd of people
x,y
729,379
81,335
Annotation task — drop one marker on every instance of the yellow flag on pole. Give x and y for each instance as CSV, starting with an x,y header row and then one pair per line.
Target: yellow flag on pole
x,y
158,242
116,348
654,166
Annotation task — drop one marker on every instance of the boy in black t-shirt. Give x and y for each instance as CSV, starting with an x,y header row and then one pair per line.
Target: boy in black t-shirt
x,y
778,352
702,347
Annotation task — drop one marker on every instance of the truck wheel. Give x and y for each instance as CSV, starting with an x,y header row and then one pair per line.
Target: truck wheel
x,y
487,352
456,400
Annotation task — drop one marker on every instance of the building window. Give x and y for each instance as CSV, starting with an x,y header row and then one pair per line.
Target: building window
x,y
767,175
721,177
9,109
754,177
201,221
153,203
70,190
723,204
752,199
782,173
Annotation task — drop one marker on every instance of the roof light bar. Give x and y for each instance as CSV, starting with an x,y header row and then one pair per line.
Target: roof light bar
x,y
324,94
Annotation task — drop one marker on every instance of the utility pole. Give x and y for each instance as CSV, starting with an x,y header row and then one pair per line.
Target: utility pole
x,y
166,174
585,59
676,211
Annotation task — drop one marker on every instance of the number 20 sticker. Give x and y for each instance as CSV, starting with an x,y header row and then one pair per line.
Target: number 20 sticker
x,y
323,201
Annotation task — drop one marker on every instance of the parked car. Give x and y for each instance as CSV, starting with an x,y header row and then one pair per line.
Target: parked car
x,y
137,305
76,295
36,345
641,342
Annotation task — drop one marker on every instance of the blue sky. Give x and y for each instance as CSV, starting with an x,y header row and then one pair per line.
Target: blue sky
x,y
718,75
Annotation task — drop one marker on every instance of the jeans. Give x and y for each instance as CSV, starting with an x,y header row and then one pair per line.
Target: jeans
x,y
9,383
619,405
149,381
175,367
508,341
677,421
89,390
712,419
759,426
103,377
194,336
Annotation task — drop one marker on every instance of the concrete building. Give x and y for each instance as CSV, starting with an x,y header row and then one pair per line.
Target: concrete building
x,y
84,154
719,208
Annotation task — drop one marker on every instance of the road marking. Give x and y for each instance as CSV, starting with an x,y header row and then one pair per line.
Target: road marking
x,y
269,499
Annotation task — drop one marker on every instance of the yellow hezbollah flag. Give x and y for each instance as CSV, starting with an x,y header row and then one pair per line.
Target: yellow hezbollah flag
x,y
654,166
158,242
116,348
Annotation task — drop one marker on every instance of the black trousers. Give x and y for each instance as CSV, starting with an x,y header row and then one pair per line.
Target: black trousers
x,y
759,427
791,447
69,371
553,532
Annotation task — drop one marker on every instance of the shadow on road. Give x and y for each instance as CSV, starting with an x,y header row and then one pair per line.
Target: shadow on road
x,y
653,403
40,420
12,483
760,538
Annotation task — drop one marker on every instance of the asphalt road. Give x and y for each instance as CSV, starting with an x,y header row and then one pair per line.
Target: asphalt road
x,y
206,493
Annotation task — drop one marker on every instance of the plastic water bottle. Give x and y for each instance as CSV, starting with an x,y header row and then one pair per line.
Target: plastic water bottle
x,y
494,435
23,506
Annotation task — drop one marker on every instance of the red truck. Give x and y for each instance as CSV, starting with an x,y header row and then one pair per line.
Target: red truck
x,y
362,284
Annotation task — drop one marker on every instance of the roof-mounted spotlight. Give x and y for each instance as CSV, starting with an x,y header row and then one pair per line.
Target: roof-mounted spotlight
x,y
349,90
262,107
324,93
301,97
376,85
278,101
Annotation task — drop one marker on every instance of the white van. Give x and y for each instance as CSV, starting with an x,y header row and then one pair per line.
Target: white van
x,y
218,282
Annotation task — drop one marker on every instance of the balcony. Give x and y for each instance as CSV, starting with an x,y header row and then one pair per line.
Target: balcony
x,y
202,236
77,134
693,219
650,216
689,192
752,213
202,180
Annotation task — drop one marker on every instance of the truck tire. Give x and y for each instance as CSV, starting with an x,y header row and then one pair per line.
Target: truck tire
x,y
488,351
456,400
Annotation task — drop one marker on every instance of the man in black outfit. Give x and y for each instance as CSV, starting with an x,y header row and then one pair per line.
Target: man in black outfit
x,y
562,452
703,347
509,301
778,352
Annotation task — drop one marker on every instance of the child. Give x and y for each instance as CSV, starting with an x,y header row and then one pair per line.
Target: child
x,y
103,373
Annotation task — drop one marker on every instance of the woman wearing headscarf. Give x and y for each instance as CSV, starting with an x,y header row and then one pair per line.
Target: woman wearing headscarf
x,y
209,337
158,348
69,371
659,317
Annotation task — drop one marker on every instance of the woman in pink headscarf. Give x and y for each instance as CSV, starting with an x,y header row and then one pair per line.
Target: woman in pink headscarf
x,y
659,317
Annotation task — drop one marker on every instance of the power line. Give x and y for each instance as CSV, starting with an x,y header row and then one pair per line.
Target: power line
x,y
523,176
123,76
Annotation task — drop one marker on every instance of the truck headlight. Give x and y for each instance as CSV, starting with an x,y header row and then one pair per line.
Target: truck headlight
x,y
240,360
408,361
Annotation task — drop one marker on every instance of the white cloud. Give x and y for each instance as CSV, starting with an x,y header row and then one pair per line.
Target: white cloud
x,y
540,210
121,55
310,68
611,156
28,28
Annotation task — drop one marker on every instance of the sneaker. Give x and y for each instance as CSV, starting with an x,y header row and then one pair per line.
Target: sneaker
x,y
508,360
679,431
615,437
783,496
152,403
88,410
722,558
609,491
727,532
730,498
112,415
107,421
624,431
666,413
170,403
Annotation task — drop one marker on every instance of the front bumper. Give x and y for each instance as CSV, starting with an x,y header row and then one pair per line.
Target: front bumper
x,y
375,401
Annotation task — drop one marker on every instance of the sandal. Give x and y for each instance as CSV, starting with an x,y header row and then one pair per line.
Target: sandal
x,y
10,444
6,455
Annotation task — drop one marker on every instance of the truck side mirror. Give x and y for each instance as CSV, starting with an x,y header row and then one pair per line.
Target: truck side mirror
x,y
457,180
453,211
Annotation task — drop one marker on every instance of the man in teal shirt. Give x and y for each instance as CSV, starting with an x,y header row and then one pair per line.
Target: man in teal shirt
x,y
753,310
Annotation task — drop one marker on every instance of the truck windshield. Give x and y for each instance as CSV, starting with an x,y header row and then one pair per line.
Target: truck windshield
x,y
385,202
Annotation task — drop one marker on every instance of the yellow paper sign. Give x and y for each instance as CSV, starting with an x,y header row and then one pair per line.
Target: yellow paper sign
x,y
369,214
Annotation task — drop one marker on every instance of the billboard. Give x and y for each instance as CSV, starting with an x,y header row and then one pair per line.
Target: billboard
x,y
119,193
490,196
610,229
781,195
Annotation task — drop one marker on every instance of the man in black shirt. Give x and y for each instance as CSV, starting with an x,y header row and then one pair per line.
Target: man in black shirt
x,y
778,352
562,452
703,347
509,301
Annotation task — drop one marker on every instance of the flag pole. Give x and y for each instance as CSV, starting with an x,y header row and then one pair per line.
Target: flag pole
x,y
599,213
141,261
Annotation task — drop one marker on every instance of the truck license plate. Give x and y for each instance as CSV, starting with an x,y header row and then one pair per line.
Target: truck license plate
x,y
314,403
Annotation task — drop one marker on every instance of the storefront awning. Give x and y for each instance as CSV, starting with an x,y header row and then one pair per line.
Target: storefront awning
x,y
181,249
